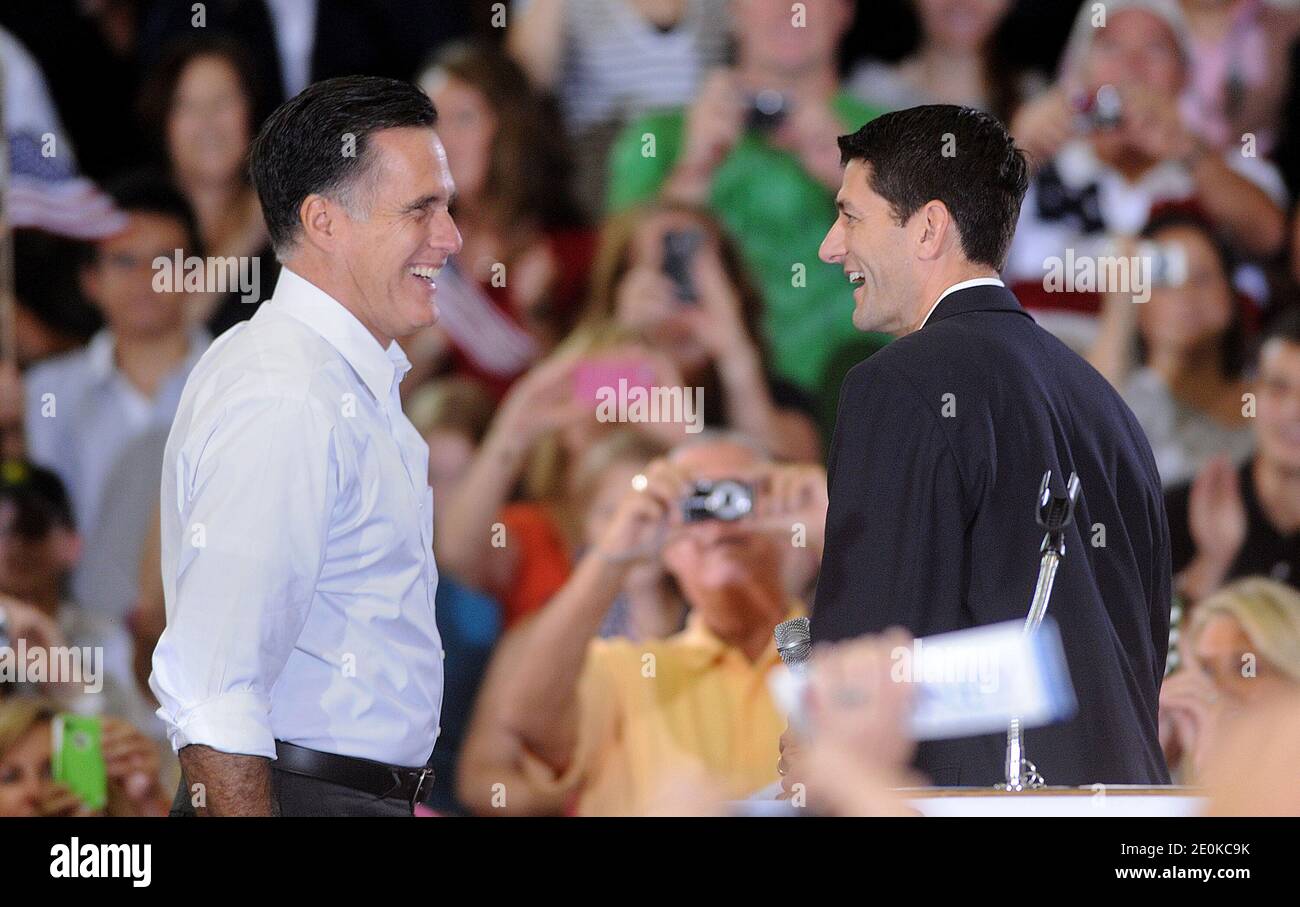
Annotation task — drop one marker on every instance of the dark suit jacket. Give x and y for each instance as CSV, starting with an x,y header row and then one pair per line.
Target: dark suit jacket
x,y
932,526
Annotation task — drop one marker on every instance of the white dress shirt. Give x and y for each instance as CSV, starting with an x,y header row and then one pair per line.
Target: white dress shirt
x,y
297,544
973,282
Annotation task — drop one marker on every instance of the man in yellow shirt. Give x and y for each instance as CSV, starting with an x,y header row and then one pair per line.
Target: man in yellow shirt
x,y
570,724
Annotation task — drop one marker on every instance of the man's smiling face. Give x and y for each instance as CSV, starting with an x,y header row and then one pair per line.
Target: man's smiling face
x,y
875,254
394,252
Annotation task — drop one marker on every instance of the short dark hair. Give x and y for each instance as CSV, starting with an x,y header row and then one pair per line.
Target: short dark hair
x,y
960,156
1284,325
40,500
299,150
150,192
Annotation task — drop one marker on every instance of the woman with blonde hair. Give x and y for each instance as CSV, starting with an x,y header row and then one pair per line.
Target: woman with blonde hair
x,y
1241,648
27,786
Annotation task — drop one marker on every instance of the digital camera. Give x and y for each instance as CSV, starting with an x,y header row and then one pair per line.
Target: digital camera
x,y
724,499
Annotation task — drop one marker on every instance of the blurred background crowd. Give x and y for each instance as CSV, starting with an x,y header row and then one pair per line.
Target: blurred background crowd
x,y
642,186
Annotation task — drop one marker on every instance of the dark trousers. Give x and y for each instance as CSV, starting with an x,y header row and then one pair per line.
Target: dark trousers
x,y
298,795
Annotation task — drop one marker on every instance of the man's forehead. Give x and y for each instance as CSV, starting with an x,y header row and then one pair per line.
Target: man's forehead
x,y
418,158
855,187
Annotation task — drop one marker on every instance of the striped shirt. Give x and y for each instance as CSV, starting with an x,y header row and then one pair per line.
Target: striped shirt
x,y
617,65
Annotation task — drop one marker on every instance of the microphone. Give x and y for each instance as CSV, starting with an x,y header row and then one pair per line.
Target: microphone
x,y
794,643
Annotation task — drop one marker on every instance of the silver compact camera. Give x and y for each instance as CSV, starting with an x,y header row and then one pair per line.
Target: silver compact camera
x,y
724,499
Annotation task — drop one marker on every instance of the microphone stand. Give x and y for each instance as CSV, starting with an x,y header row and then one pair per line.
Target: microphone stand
x,y
1055,515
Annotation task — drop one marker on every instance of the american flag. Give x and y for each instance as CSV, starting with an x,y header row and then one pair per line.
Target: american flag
x,y
47,193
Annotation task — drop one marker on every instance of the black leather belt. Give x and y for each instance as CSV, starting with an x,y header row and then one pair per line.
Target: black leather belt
x,y
375,778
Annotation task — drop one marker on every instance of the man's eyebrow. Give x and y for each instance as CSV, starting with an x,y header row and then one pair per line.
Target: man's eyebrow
x,y
425,201
842,205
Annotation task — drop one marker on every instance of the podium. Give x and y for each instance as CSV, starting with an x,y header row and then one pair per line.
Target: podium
x,y
937,802
1097,800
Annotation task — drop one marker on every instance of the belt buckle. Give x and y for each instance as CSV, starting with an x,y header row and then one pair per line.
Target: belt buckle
x,y
423,786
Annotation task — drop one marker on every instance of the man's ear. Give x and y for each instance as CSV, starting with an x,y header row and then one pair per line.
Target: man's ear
x,y
937,230
320,219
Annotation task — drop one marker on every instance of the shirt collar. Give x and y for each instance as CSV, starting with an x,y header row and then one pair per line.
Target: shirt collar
x,y
379,369
706,648
100,353
973,282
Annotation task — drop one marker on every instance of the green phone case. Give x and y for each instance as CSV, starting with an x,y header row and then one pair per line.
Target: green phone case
x,y
78,760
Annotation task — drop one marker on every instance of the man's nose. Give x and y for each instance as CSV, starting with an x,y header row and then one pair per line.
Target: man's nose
x,y
832,247
446,235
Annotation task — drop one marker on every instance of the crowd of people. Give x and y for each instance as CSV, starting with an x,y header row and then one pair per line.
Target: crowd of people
x,y
642,187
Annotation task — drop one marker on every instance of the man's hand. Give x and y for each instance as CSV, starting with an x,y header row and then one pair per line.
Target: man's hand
x,y
231,784
1154,124
24,621
1216,513
1042,126
860,744
718,322
789,763
1218,524
645,514
790,495
713,126
809,134
542,401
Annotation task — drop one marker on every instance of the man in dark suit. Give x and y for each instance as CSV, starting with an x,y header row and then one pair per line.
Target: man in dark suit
x,y
942,438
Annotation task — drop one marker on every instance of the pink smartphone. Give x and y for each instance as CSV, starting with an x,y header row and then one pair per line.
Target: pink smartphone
x,y
591,375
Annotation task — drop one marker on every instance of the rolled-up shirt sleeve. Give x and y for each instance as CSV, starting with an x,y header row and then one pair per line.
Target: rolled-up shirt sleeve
x,y
250,497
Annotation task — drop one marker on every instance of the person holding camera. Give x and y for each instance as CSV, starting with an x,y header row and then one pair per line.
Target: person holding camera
x,y
757,147
570,723
28,786
1109,145
673,275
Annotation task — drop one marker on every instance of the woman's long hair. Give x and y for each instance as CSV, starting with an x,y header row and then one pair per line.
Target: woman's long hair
x,y
614,259
529,175
158,93
19,714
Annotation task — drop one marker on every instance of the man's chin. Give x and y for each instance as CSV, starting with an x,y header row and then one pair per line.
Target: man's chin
x,y
864,320
423,312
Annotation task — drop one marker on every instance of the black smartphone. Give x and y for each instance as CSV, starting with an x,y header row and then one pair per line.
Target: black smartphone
x,y
680,247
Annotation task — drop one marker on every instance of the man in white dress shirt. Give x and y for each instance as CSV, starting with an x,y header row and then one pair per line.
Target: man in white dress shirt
x,y
301,669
